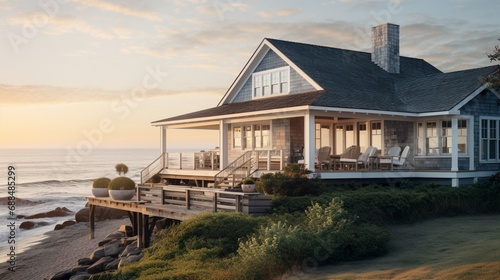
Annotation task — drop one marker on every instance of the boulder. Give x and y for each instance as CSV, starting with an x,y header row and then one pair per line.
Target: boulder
x,y
99,265
58,212
62,275
97,254
112,265
111,237
130,250
101,214
64,224
128,260
27,225
113,248
79,269
129,240
81,276
30,224
127,230
85,261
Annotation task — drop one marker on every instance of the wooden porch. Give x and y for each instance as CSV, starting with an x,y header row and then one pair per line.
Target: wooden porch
x,y
177,203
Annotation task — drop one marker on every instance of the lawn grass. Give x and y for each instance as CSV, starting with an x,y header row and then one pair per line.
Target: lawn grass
x,y
464,247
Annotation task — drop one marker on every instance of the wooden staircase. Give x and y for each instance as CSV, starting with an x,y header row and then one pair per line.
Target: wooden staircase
x,y
234,173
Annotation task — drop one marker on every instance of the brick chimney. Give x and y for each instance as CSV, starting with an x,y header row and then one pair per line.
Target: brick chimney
x,y
385,47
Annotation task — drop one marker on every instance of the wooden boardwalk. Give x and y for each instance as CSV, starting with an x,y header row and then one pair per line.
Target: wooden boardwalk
x,y
177,203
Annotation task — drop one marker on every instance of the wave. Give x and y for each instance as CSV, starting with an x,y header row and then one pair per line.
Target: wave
x,y
55,182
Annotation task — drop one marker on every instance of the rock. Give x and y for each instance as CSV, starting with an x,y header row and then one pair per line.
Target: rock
x,y
58,227
129,240
79,269
58,212
81,276
85,261
68,223
113,248
112,265
99,265
113,236
128,260
62,275
101,214
127,230
27,225
130,250
64,224
30,224
97,254
19,201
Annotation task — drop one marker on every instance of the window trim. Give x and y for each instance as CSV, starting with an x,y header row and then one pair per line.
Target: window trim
x,y
439,136
488,119
260,75
252,125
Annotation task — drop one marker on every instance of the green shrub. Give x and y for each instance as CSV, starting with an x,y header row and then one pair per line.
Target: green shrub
x,y
198,248
326,234
121,168
248,181
101,183
121,183
293,181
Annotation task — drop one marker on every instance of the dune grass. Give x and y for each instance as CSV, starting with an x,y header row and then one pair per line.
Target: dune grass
x,y
465,247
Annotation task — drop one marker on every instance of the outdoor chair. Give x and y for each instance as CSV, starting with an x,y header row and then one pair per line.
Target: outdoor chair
x,y
397,162
350,157
323,158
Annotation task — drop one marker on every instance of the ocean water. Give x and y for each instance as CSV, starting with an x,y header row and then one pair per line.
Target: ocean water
x,y
58,178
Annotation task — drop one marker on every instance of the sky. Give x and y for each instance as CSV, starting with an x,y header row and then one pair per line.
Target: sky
x,y
85,74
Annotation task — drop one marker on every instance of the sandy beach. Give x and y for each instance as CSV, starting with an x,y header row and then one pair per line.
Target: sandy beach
x,y
59,251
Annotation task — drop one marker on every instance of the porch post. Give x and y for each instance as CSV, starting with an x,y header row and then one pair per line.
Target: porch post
x,y
163,139
454,144
309,143
223,144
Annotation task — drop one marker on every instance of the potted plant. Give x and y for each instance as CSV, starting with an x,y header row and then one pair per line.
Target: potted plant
x,y
121,188
100,187
248,185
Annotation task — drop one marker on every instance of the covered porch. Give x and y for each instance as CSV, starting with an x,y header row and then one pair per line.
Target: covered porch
x,y
439,146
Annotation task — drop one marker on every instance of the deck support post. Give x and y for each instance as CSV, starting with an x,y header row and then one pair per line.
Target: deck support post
x,y
454,144
223,141
309,141
163,140
92,220
140,228
215,202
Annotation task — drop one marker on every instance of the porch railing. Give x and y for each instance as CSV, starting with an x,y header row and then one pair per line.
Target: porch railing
x,y
244,161
154,168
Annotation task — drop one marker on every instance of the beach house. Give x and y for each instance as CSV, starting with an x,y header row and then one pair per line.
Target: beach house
x,y
344,114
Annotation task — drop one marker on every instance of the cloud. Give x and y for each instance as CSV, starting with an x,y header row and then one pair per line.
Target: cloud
x,y
42,94
122,32
120,9
278,13
58,25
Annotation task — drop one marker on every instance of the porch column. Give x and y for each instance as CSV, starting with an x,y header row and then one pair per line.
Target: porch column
x,y
309,143
223,144
163,139
454,144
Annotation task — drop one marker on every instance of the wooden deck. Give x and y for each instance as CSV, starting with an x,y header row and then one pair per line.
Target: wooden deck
x,y
177,203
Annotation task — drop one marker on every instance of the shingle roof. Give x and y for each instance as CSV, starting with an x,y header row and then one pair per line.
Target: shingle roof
x,y
351,80
440,92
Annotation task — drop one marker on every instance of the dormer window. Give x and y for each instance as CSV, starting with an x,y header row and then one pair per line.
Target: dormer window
x,y
271,82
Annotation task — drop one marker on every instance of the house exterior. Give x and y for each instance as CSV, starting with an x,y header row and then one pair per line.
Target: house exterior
x,y
291,95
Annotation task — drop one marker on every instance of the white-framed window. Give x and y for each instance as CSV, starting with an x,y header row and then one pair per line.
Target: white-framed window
x,y
271,82
252,136
237,137
490,139
435,137
376,135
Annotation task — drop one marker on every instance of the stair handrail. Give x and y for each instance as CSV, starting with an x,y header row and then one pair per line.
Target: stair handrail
x,y
154,168
233,167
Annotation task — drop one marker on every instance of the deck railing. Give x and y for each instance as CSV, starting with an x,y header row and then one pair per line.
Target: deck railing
x,y
154,168
203,199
